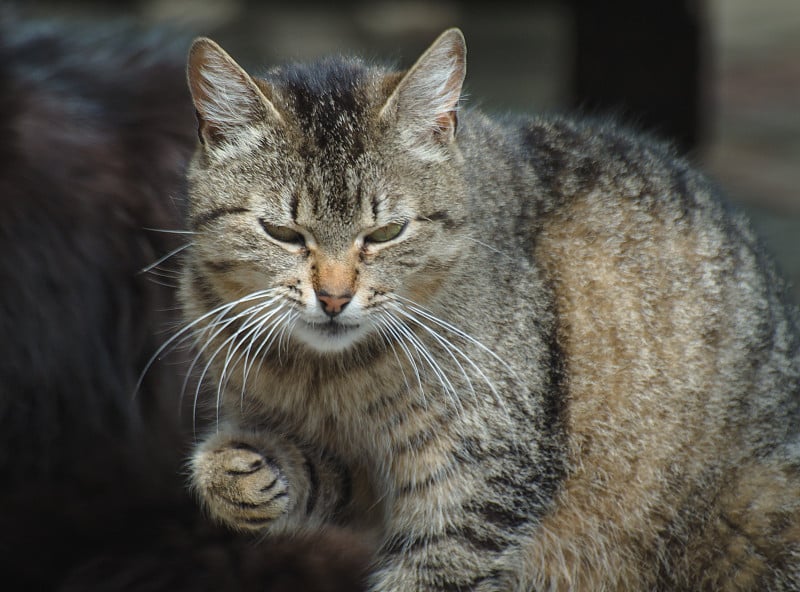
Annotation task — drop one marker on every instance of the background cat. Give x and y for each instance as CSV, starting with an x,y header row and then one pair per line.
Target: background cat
x,y
97,126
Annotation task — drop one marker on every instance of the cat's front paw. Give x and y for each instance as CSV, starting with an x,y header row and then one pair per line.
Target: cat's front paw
x,y
240,486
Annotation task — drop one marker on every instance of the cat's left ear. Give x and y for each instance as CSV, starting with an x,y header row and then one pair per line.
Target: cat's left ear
x,y
425,101
228,101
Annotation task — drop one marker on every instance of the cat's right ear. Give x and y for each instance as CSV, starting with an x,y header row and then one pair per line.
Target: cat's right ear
x,y
425,101
227,100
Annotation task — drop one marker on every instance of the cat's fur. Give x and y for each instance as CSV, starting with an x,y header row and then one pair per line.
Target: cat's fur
x,y
527,354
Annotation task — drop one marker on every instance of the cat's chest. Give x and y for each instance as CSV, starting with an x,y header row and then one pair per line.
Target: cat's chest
x,y
337,407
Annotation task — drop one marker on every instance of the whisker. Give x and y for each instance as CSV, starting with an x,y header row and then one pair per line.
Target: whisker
x,y
388,323
283,338
265,326
172,253
420,347
489,247
387,339
254,327
414,307
254,321
169,230
180,336
221,327
162,283
280,325
450,347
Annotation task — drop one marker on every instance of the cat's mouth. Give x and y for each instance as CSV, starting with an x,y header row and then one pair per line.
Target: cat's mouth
x,y
330,336
333,328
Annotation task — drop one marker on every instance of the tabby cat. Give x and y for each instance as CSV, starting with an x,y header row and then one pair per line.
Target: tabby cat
x,y
520,354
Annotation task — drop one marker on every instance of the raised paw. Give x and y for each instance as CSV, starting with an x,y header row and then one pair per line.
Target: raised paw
x,y
240,486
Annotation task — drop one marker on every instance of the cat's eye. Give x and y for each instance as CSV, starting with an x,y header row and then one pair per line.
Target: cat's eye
x,y
282,234
386,233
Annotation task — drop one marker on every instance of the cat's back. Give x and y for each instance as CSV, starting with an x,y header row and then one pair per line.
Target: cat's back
x,y
682,358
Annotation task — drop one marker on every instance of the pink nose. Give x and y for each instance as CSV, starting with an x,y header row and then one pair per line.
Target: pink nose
x,y
333,305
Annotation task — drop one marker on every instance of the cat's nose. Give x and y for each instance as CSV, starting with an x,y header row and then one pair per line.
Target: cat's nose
x,y
333,305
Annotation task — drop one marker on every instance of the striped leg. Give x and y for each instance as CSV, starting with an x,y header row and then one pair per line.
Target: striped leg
x,y
459,522
256,481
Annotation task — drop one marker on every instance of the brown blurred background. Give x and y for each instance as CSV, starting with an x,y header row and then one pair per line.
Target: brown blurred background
x,y
721,78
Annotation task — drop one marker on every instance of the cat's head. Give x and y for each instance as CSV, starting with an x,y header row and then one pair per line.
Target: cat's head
x,y
324,197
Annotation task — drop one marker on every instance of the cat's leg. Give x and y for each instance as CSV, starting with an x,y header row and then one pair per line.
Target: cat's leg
x,y
458,519
257,480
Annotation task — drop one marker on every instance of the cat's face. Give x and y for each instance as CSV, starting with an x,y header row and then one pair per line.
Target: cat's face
x,y
323,199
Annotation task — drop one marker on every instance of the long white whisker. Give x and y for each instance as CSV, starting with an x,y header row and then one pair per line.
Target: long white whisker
x,y
172,253
448,344
441,376
449,347
414,307
283,338
389,322
180,336
219,324
274,333
263,325
249,313
162,283
248,327
169,230
387,339
490,247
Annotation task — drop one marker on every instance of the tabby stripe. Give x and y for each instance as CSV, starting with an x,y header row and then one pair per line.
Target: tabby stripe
x,y
293,205
251,506
412,408
221,266
429,481
204,290
381,404
436,424
206,217
477,541
421,546
345,488
482,541
501,516
462,586
440,216
417,442
375,211
313,486
399,545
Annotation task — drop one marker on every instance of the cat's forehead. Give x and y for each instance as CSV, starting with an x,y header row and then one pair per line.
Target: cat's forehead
x,y
329,102
330,107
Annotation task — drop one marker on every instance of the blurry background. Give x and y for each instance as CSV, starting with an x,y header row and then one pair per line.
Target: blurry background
x,y
721,78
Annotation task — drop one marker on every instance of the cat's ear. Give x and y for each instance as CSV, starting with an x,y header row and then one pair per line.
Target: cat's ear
x,y
228,101
425,101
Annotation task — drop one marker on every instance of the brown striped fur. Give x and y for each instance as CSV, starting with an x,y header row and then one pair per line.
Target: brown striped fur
x,y
528,354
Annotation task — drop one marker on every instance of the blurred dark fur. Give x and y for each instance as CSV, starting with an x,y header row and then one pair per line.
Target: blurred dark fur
x,y
96,128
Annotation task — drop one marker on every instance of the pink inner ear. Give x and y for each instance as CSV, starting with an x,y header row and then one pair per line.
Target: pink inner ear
x,y
446,122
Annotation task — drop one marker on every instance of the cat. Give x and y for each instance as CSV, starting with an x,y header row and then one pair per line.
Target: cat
x,y
98,127
517,353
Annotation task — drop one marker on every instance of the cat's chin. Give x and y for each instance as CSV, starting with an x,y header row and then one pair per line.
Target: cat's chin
x,y
330,337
